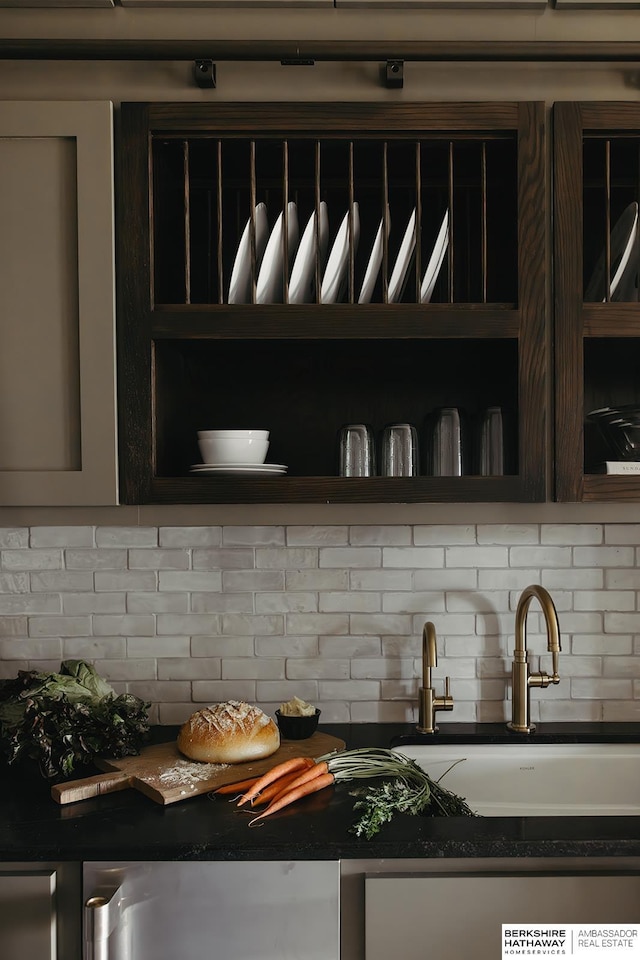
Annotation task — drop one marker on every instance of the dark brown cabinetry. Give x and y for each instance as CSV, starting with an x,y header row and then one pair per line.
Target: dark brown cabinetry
x,y
597,317
190,179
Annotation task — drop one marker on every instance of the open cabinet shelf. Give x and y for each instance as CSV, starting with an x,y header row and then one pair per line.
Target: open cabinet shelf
x,y
447,199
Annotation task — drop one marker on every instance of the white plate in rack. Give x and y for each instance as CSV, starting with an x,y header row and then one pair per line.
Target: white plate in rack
x,y
271,276
624,267
303,272
237,469
240,284
403,261
375,262
334,280
435,260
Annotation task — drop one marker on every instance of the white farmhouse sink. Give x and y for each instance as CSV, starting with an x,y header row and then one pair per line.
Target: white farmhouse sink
x,y
537,779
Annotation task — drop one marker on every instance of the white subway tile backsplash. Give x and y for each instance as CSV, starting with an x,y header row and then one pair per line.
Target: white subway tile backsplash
x,y
253,536
320,536
219,602
607,644
622,533
350,602
158,559
129,580
189,537
239,558
572,533
15,582
188,615
126,537
443,535
37,559
413,557
348,557
509,534
95,559
187,624
74,604
59,626
60,537
380,536
94,648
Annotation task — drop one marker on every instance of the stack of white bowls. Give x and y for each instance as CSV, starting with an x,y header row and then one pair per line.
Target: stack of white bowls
x,y
238,447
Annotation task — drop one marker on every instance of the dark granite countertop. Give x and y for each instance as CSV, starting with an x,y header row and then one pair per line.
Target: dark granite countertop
x,y
129,826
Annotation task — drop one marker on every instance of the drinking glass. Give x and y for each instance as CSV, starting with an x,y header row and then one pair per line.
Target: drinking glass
x,y
356,451
400,450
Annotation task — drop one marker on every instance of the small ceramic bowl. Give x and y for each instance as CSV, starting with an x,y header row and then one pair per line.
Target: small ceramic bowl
x,y
233,450
297,728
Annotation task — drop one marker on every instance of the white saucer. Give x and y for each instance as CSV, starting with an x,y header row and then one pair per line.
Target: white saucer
x,y
257,469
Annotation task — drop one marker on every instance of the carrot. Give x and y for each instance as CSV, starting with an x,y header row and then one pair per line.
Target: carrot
x,y
316,771
280,769
240,786
312,786
267,795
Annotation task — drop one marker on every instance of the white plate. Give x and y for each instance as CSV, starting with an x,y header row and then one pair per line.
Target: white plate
x,y
335,276
403,261
623,240
240,284
375,262
271,275
266,469
435,260
301,284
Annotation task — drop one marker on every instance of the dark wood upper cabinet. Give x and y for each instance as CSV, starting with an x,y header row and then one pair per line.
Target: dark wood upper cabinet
x,y
597,316
302,360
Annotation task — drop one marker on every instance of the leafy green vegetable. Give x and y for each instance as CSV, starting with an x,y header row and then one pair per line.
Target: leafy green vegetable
x,y
68,718
407,788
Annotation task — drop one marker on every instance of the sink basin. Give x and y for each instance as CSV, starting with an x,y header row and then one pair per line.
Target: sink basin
x,y
537,779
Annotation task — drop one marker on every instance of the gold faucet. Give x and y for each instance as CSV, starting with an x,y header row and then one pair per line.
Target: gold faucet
x,y
522,679
428,702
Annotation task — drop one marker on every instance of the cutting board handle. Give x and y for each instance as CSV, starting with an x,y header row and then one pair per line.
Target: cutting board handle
x,y
75,790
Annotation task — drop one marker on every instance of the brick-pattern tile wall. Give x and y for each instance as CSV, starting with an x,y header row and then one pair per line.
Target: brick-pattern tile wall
x,y
186,616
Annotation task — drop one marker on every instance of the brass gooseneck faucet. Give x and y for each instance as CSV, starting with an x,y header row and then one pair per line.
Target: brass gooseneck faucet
x,y
522,679
428,702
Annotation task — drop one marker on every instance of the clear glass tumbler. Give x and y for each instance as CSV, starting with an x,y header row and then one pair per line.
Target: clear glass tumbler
x,y
356,451
400,457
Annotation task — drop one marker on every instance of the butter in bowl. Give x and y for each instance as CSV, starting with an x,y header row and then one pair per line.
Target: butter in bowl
x,y
297,720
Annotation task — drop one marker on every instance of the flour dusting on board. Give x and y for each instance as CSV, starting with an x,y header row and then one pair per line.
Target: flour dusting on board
x,y
187,773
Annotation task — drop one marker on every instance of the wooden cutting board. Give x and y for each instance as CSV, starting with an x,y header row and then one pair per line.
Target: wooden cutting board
x,y
164,774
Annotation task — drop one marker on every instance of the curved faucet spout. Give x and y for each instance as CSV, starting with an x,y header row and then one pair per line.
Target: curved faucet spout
x,y
523,680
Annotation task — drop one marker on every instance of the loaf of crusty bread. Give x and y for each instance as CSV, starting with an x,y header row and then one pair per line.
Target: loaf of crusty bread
x,y
230,732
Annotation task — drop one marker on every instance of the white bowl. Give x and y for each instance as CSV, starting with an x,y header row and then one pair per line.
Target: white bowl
x,y
233,434
233,449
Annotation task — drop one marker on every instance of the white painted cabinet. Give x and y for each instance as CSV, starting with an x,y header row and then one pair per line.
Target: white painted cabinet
x,y
58,438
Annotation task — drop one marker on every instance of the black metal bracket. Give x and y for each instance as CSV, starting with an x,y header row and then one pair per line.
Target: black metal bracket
x,y
204,72
394,77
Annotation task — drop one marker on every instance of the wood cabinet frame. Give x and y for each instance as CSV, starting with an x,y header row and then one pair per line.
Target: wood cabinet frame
x,y
577,322
141,327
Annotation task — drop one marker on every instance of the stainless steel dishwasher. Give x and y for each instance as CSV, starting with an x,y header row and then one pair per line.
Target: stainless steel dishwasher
x,y
278,910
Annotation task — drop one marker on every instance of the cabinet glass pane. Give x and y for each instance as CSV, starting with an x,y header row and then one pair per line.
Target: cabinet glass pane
x,y
437,215
610,195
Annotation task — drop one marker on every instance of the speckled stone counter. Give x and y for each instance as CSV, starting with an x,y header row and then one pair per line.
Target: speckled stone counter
x,y
129,826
